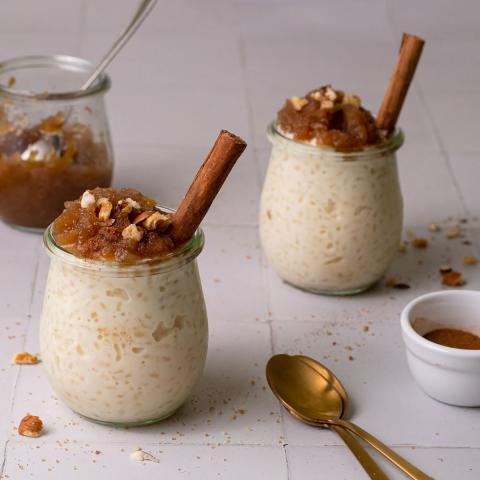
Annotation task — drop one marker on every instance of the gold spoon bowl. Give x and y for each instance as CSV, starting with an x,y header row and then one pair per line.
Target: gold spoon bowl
x,y
312,393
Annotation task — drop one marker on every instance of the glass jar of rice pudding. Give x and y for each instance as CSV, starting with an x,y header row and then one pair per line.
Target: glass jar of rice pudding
x,y
124,344
331,222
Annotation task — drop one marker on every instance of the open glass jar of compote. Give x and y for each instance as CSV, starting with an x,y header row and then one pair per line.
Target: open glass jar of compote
x,y
331,207
124,329
54,138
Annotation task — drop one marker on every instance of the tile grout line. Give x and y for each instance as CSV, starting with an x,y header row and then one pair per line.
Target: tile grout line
x,y
18,372
443,150
287,463
432,123
83,26
242,57
4,460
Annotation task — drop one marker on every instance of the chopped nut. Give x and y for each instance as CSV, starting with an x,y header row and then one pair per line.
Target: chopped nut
x,y
470,260
24,358
445,269
157,220
141,217
351,100
317,95
454,231
87,199
12,81
402,248
453,279
30,426
132,232
129,201
326,104
392,283
419,242
298,102
434,227
330,94
140,456
105,209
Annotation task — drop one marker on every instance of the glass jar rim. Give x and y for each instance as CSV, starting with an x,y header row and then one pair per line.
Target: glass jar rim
x,y
393,143
173,260
61,62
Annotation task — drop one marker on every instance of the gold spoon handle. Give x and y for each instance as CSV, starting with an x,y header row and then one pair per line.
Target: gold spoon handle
x,y
412,471
368,463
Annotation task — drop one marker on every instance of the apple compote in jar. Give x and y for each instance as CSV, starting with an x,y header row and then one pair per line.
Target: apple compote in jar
x,y
54,138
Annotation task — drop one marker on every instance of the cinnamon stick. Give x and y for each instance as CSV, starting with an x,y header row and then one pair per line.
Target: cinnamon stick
x,y
205,186
400,80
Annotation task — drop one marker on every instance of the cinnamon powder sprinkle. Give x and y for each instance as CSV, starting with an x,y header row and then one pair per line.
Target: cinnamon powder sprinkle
x,y
454,338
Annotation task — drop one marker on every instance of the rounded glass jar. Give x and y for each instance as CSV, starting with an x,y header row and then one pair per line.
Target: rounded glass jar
x,y
124,344
54,138
331,222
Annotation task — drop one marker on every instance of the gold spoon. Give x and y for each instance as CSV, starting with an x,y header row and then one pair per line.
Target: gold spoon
x,y
311,392
369,465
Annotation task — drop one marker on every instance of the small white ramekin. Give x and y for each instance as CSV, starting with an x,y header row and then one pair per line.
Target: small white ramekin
x,y
450,375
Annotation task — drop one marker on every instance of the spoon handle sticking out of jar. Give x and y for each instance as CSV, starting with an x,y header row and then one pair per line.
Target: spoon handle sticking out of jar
x,y
205,186
402,75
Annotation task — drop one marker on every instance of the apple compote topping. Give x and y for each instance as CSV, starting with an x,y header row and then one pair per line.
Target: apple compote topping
x,y
114,225
329,118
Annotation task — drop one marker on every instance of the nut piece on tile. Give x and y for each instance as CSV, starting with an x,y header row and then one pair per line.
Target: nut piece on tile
x,y
470,260
157,220
419,243
434,227
298,102
454,231
140,456
453,279
105,209
30,426
132,232
25,358
87,199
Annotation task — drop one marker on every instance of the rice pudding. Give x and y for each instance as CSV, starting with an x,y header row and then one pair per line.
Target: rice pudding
x,y
124,327
331,208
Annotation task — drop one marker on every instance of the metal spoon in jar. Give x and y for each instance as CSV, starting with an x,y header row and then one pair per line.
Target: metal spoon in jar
x,y
312,394
40,149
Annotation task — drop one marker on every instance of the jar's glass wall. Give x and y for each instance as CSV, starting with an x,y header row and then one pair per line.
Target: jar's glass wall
x,y
52,146
123,348
330,223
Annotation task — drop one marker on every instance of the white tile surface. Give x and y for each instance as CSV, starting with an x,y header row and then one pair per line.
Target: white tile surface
x,y
192,69
79,460
307,463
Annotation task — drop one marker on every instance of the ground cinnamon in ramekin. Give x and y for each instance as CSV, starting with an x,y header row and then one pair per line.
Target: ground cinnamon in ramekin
x,y
450,337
